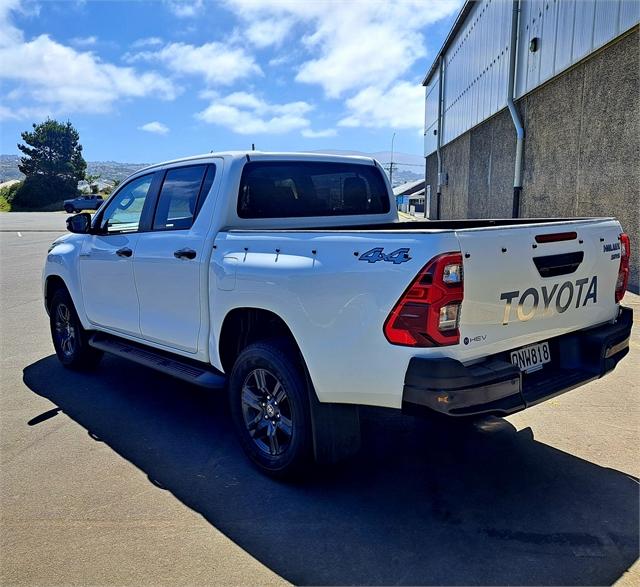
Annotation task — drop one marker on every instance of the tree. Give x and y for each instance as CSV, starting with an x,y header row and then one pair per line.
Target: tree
x,y
92,182
53,164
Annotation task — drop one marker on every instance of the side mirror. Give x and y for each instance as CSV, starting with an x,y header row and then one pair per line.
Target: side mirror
x,y
79,223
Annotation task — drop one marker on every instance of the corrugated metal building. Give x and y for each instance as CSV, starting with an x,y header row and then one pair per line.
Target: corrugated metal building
x,y
574,66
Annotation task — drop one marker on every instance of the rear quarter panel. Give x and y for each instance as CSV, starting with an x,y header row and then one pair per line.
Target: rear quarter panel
x,y
334,304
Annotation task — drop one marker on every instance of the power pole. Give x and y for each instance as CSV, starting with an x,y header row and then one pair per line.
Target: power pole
x,y
393,138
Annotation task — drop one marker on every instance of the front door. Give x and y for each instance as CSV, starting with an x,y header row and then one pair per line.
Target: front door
x,y
106,260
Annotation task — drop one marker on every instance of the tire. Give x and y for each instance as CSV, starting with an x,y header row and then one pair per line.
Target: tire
x,y
69,209
70,340
270,408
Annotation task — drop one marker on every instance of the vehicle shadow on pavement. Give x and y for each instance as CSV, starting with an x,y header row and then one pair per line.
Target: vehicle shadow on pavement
x,y
419,505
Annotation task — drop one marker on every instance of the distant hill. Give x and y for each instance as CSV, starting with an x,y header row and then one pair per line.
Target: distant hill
x,y
108,170
406,167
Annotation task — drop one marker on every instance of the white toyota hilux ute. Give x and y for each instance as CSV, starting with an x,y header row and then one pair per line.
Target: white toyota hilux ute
x,y
288,280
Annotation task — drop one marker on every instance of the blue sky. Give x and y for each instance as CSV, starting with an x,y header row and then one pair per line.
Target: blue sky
x,y
146,81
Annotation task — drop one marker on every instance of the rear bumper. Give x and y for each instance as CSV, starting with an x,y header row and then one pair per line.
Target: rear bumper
x,y
495,386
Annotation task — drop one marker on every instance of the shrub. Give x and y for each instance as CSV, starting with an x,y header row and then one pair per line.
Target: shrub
x,y
37,192
7,195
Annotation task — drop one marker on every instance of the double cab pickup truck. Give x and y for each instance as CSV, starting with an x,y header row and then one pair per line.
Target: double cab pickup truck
x,y
288,281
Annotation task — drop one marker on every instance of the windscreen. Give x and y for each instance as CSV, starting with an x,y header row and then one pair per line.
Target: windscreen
x,y
275,189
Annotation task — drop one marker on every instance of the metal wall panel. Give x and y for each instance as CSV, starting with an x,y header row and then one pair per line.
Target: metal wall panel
x,y
476,61
431,101
567,31
605,26
550,32
564,33
430,139
475,68
431,114
629,14
583,29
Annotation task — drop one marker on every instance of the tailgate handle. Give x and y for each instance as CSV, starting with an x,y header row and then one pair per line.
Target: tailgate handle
x,y
554,265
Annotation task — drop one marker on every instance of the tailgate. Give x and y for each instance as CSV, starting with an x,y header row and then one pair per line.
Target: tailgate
x,y
528,283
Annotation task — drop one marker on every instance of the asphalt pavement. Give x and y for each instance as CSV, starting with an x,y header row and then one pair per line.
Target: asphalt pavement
x,y
128,477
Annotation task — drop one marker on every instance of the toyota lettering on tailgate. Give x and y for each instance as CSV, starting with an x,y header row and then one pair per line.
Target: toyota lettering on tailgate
x,y
543,301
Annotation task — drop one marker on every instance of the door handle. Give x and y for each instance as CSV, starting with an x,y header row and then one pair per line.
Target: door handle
x,y
124,252
185,254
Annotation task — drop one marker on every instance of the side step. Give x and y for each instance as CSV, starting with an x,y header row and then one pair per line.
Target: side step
x,y
191,371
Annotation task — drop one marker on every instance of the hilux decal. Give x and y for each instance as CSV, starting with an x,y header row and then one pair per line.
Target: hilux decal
x,y
613,248
396,257
560,296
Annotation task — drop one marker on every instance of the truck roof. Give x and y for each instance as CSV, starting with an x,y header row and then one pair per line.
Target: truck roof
x,y
267,155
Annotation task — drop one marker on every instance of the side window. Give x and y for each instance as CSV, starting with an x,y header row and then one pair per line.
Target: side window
x,y
177,205
206,186
124,211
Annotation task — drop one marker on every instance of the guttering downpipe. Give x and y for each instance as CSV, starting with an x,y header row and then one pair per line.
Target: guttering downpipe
x,y
515,116
439,141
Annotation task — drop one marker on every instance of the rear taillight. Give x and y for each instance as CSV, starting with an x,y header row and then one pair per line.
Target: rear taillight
x,y
428,313
623,271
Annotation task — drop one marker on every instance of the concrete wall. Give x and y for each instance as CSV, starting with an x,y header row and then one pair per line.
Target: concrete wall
x,y
581,155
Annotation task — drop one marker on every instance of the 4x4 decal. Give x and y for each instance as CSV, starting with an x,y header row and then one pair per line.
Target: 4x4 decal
x,y
396,257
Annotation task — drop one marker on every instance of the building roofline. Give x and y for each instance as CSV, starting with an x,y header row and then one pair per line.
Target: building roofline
x,y
457,25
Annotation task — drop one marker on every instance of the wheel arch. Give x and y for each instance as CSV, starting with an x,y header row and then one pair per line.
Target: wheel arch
x,y
335,428
52,284
246,325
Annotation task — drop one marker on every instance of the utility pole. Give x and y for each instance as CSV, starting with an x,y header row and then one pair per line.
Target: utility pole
x,y
393,138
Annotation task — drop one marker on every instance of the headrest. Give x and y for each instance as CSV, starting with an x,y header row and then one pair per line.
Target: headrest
x,y
355,194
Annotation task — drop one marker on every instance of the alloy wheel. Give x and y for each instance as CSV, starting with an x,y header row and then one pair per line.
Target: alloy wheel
x,y
65,330
266,411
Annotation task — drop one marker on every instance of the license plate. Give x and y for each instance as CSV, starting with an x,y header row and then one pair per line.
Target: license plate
x,y
531,358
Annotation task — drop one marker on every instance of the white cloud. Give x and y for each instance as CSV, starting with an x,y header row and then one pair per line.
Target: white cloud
x,y
216,62
360,52
185,8
51,78
280,60
401,106
85,41
319,134
7,113
8,32
155,127
68,80
23,112
268,32
147,42
246,114
363,43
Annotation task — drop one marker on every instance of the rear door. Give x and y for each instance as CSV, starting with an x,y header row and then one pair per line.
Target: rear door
x,y
525,284
171,262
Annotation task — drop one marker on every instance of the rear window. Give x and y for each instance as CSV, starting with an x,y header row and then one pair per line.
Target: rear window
x,y
272,189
